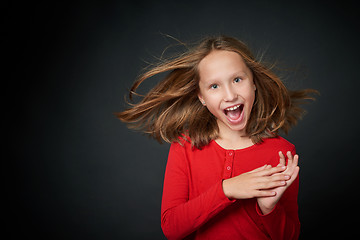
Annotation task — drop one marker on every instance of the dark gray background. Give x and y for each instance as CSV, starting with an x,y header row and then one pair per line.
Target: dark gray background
x,y
76,172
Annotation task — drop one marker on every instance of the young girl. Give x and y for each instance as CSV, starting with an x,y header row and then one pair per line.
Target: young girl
x,y
229,175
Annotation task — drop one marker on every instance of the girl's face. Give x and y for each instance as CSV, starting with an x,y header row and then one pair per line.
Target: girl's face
x,y
227,89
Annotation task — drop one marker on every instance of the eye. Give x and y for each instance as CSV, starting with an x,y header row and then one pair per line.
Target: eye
x,y
214,86
237,80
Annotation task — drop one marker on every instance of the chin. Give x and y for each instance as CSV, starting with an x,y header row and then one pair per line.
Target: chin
x,y
234,127
238,128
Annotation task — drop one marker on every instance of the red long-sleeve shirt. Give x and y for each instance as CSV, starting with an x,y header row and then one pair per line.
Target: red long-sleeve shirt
x,y
194,205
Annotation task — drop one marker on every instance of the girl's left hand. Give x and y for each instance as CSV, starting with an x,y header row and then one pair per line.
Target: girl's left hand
x,y
267,204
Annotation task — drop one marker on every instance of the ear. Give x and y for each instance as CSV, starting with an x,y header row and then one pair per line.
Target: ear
x,y
201,99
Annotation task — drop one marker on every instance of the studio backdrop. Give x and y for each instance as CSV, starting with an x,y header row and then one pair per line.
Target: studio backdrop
x,y
77,172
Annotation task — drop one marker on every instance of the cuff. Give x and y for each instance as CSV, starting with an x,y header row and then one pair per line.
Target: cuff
x,y
273,211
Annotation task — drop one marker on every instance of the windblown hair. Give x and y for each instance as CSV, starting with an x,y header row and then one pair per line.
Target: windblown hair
x,y
171,111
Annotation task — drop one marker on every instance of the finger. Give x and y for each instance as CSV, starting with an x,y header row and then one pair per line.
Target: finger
x,y
270,185
290,158
293,176
292,164
271,171
265,193
259,169
278,177
296,160
296,172
282,158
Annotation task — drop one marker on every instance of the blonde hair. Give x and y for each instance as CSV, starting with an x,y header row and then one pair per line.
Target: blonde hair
x,y
171,111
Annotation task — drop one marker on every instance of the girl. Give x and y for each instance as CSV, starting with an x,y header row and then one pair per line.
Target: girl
x,y
229,175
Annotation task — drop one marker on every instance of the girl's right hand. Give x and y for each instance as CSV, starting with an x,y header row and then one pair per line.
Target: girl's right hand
x,y
256,183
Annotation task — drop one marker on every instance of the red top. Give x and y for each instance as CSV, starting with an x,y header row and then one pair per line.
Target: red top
x,y
195,206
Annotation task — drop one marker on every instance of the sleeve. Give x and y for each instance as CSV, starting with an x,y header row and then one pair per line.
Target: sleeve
x,y
180,216
283,221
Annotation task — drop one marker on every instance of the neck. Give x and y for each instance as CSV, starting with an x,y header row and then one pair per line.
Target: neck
x,y
230,139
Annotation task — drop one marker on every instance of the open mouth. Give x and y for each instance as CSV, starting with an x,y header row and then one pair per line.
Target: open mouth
x,y
233,113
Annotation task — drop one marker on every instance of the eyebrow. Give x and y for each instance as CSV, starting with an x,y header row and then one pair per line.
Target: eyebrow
x,y
232,76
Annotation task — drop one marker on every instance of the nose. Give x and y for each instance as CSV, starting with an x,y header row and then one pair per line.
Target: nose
x,y
229,94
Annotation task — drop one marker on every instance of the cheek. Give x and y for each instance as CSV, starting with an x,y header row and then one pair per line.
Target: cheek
x,y
212,104
250,99
211,97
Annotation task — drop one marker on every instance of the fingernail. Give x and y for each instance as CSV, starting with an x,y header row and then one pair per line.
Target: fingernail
x,y
287,177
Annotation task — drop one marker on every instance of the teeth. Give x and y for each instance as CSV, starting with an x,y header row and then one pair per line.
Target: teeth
x,y
233,108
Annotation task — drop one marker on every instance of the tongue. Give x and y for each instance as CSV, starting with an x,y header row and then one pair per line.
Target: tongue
x,y
233,115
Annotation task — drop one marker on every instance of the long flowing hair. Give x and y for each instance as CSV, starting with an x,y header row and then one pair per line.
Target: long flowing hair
x,y
171,111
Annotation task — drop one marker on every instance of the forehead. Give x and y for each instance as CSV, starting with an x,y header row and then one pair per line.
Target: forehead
x,y
220,63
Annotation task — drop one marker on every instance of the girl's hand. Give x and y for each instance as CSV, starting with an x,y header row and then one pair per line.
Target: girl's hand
x,y
260,182
267,204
